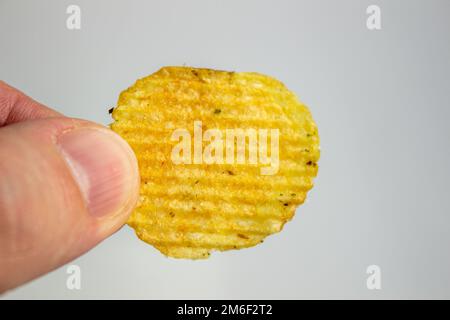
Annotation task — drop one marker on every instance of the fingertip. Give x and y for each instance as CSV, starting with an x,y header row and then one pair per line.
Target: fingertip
x,y
106,171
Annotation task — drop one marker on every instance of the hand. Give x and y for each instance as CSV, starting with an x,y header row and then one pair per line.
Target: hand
x,y
65,185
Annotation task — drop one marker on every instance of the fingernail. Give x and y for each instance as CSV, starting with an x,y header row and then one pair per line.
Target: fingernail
x,y
104,167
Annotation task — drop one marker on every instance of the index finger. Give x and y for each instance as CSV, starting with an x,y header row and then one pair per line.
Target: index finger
x,y
15,106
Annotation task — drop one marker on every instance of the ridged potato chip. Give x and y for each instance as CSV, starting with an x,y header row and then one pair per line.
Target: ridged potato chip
x,y
204,187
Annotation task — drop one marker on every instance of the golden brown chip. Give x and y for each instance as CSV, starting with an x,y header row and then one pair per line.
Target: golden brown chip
x,y
187,207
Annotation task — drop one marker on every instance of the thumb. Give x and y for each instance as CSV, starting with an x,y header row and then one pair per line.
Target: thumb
x,y
65,185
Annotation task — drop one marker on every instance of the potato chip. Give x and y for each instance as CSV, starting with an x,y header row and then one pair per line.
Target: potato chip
x,y
225,158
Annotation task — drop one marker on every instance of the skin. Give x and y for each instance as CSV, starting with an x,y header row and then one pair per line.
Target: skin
x,y
66,184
